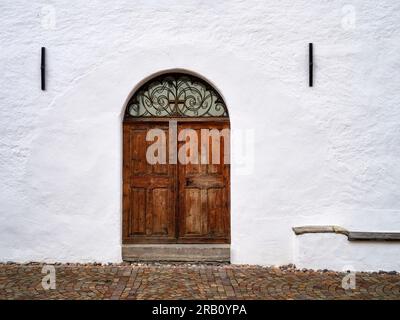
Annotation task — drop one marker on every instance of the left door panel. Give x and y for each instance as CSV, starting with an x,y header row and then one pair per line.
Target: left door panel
x,y
149,190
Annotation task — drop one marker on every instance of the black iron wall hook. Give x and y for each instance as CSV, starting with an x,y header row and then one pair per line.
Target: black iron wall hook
x,y
310,65
43,68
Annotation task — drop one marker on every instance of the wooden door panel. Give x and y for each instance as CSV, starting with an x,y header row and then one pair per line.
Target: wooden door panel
x,y
217,211
137,214
193,221
149,190
204,181
138,145
161,210
204,192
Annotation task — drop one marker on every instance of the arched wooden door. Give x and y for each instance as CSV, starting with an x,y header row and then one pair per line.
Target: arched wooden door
x,y
179,194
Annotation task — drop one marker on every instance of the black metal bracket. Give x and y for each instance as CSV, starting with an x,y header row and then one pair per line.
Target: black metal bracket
x,y
310,65
43,68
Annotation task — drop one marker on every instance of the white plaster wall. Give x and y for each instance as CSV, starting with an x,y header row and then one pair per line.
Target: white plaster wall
x,y
335,252
322,155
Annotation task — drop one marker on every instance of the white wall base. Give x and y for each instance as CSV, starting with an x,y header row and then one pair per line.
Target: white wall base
x,y
335,252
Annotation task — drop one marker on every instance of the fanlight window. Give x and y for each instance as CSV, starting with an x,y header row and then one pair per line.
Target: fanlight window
x,y
176,95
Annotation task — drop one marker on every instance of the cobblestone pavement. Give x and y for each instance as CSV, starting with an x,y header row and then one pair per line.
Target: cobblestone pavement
x,y
190,281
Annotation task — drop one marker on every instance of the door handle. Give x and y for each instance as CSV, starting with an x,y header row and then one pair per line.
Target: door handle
x,y
188,182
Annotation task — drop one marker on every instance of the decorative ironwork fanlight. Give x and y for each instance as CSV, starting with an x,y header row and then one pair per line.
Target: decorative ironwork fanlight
x,y
176,95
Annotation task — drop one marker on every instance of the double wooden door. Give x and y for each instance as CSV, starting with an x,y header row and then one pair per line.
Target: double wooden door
x,y
183,201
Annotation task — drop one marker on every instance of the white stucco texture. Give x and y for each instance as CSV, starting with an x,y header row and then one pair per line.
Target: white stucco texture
x,y
322,155
335,252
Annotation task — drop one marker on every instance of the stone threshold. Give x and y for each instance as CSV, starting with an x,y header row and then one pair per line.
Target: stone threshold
x,y
176,252
351,235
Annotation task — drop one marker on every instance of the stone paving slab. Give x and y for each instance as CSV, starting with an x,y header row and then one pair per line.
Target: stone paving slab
x,y
190,281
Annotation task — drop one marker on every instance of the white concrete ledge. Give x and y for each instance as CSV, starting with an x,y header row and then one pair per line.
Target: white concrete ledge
x,y
351,235
319,229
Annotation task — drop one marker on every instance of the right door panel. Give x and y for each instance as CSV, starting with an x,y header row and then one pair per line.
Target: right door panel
x,y
204,183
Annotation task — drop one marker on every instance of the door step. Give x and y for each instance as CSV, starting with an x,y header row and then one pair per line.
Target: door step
x,y
176,252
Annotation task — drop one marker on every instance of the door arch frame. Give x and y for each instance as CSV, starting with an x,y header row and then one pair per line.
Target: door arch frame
x,y
191,119
153,75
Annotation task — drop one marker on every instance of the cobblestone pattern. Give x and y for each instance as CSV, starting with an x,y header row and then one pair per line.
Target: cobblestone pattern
x,y
189,281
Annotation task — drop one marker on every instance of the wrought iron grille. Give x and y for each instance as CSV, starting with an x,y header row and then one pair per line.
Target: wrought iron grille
x,y
176,95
